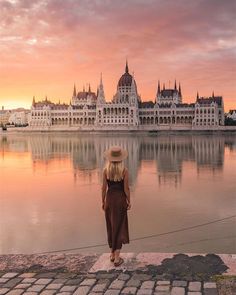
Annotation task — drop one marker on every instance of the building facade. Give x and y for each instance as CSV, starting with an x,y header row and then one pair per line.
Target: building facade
x,y
90,111
19,117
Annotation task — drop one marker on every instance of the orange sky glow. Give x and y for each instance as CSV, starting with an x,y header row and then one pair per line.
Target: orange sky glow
x,y
48,45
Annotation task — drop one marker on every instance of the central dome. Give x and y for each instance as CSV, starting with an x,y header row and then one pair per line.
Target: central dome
x,y
126,78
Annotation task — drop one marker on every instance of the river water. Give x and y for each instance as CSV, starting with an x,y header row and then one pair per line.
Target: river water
x,y
183,192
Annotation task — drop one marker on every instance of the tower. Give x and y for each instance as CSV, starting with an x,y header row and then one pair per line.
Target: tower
x,y
33,102
180,93
101,94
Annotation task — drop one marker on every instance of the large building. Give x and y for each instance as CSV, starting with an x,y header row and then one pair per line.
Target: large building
x,y
90,111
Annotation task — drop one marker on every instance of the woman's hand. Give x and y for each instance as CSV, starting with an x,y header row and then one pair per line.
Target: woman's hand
x,y
103,206
128,205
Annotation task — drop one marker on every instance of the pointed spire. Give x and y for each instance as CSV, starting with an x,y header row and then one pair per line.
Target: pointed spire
x,y
100,92
197,95
83,88
74,92
175,85
158,88
213,94
180,89
133,83
126,67
164,86
46,98
101,82
33,102
89,89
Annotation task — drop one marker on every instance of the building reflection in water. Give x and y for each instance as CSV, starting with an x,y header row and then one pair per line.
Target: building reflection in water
x,y
44,205
86,152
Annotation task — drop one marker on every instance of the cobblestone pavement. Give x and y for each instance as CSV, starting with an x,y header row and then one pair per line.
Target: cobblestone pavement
x,y
108,283
141,274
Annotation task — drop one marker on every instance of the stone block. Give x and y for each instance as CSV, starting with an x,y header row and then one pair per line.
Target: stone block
x,y
4,290
161,283
133,283
29,280
35,288
162,288
144,292
22,286
129,290
177,291
210,292
48,292
112,292
195,286
16,292
148,285
103,281
117,284
88,282
194,293
54,286
83,290
99,288
10,275
27,275
68,289
3,281
59,281
75,282
12,283
43,281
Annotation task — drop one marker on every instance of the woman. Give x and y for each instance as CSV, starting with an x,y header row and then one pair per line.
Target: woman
x,y
116,201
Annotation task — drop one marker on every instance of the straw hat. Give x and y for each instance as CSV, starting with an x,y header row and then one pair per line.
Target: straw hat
x,y
115,154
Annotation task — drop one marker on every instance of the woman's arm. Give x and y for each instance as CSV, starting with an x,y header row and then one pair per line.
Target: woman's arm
x,y
126,188
104,188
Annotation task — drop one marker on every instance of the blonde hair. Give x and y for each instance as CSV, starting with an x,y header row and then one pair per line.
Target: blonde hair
x,y
114,170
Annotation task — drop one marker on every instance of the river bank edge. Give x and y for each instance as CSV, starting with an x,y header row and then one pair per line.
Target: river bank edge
x,y
177,270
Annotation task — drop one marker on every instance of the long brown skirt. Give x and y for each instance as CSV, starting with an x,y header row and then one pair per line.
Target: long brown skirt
x,y
116,219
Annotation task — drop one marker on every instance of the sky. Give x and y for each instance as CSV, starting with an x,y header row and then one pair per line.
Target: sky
x,y
48,45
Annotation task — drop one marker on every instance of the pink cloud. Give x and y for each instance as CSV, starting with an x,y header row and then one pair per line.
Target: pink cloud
x,y
46,45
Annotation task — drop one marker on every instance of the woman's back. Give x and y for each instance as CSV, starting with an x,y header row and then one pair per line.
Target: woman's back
x,y
119,185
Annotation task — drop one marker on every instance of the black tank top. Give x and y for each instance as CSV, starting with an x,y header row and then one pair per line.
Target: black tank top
x,y
116,185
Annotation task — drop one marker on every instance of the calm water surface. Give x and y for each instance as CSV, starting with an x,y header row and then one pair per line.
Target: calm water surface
x,y
50,196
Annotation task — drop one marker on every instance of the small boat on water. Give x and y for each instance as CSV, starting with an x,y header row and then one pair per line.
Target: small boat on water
x,y
4,128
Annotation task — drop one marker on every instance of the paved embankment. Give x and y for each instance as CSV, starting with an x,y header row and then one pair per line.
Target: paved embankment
x,y
143,273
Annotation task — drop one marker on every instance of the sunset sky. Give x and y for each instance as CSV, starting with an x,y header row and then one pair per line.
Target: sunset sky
x,y
48,45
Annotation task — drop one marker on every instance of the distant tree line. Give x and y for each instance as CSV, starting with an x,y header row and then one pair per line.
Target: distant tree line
x,y
230,122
